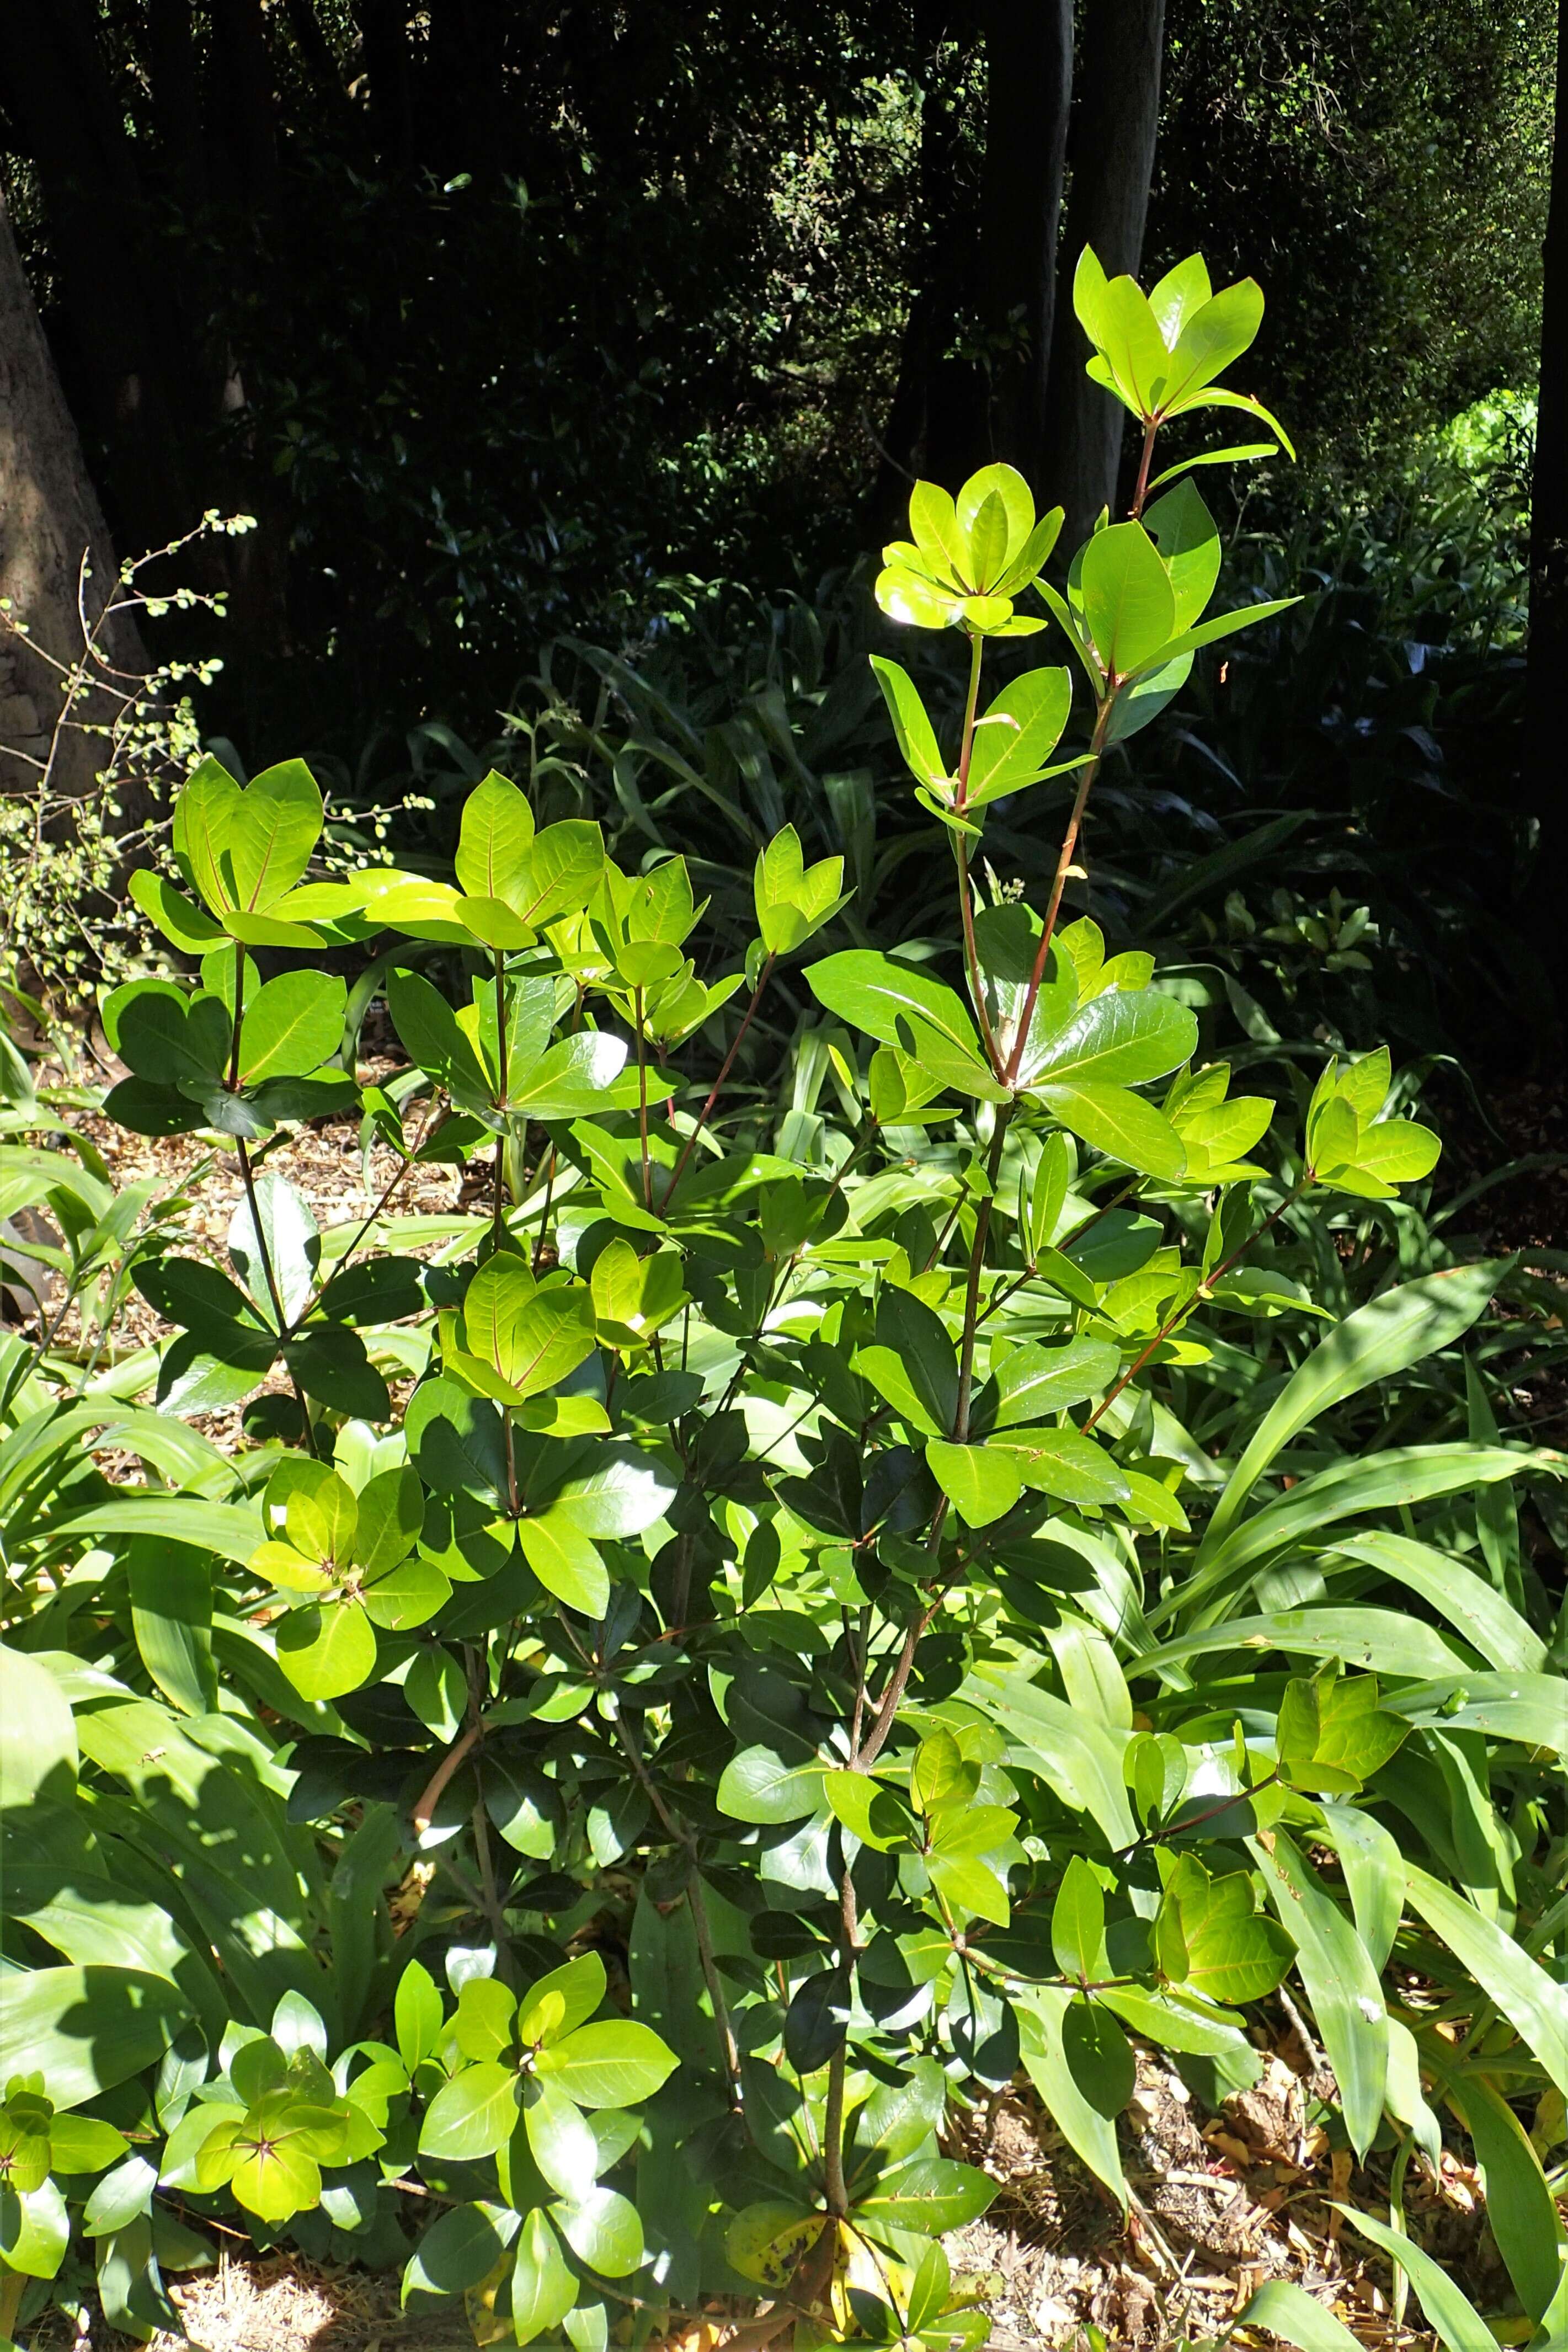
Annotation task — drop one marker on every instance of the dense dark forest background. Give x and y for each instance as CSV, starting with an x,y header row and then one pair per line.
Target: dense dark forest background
x,y
511,322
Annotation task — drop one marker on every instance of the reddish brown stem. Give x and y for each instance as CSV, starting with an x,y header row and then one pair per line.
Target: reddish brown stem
x,y
1204,1290
1070,844
424,1808
1150,427
642,1101
725,1068
961,850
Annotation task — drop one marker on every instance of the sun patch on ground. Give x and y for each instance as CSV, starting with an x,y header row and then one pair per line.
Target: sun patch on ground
x,y
284,2304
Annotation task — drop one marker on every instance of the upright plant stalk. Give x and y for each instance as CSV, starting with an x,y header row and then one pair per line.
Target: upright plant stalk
x,y
725,1067
642,1099
497,1204
1064,867
961,850
248,1177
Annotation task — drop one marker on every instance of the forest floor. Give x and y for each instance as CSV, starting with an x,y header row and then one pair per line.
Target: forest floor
x,y
1223,2198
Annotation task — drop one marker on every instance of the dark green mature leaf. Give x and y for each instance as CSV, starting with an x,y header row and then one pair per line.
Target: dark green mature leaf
x,y
215,1367
928,2197
291,1025
757,1786
816,2019
917,1338
461,2247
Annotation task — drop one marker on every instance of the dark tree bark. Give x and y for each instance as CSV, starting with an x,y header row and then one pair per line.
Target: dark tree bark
x,y
465,89
1545,778
1028,61
241,125
49,520
1111,157
174,85
383,39
315,49
927,423
117,304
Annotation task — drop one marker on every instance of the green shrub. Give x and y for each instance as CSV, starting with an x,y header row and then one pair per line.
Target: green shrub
x,y
977,1562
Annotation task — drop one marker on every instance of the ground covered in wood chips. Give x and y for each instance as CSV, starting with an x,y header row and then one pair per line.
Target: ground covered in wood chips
x,y
1223,2198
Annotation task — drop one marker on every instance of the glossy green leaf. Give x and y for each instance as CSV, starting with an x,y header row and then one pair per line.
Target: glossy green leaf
x,y
462,2246
542,2287
272,831
1078,1921
495,840
612,2064
291,1025
567,1563
1127,599
759,1787
928,2198
560,2143
604,2232
1018,732
981,1483
472,2114
916,736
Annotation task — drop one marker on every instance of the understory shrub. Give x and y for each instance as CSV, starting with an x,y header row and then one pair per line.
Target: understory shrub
x,y
805,1606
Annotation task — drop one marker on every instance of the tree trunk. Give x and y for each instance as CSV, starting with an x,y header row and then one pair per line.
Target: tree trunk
x,y
1111,156
125,349
1028,62
466,90
384,40
240,126
1545,777
174,86
920,429
49,519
